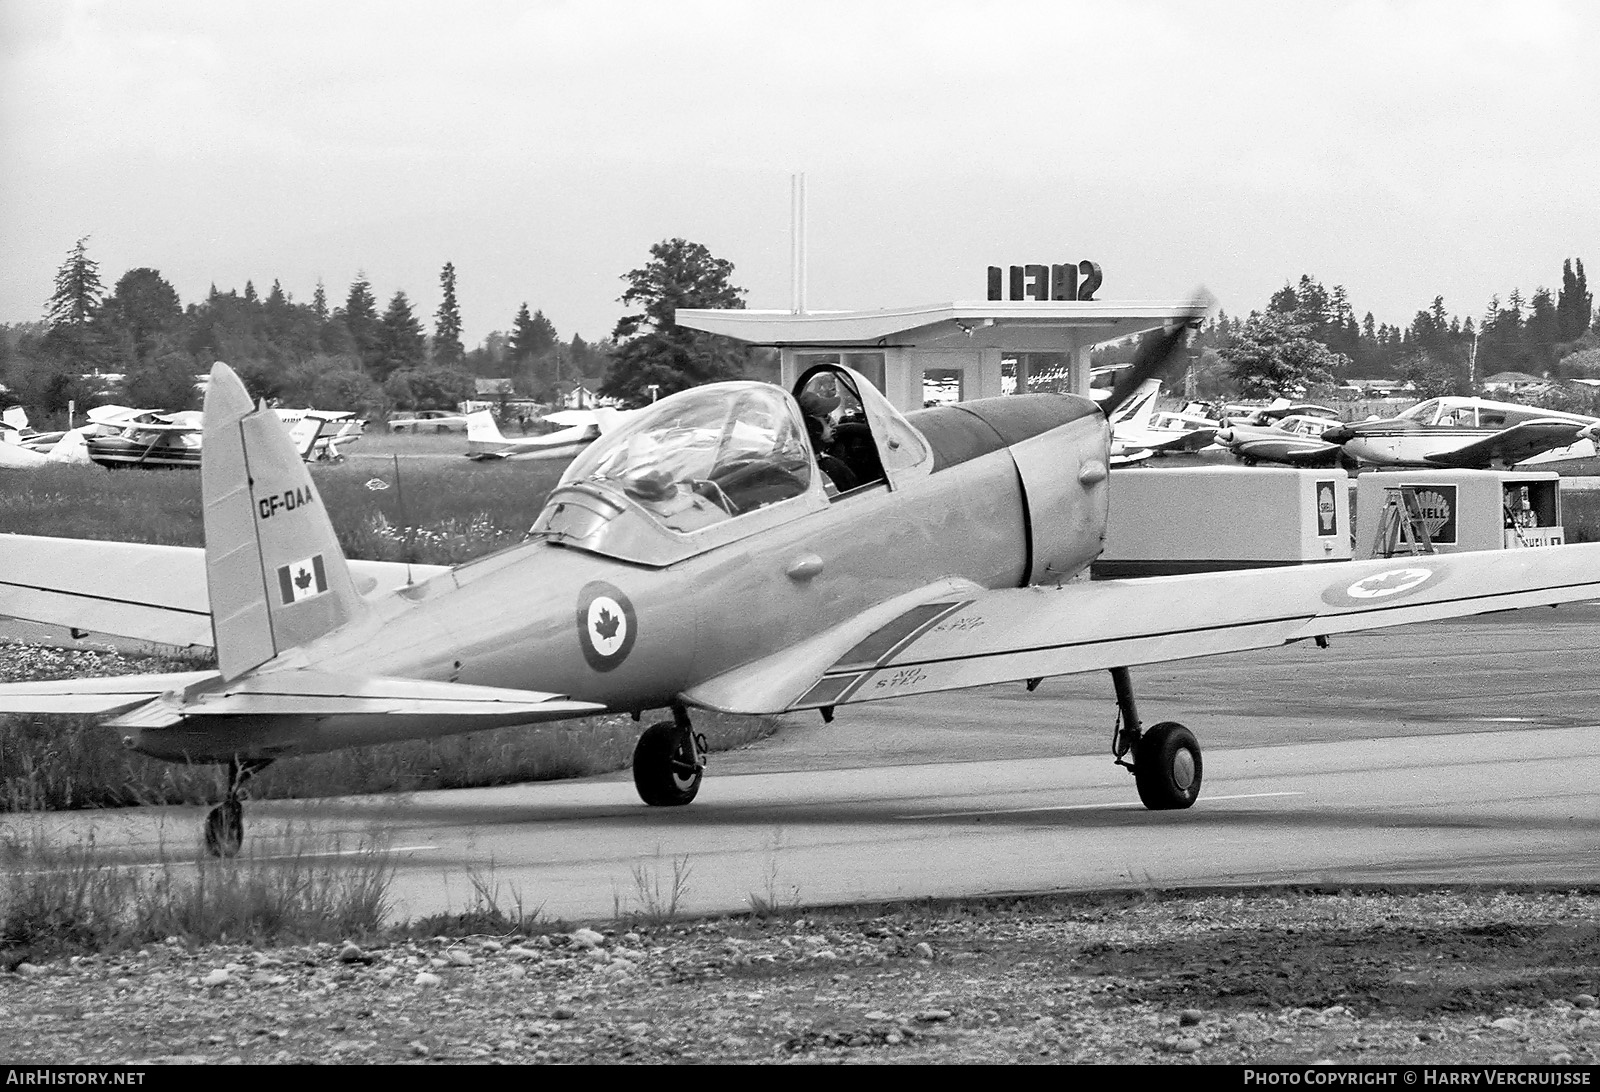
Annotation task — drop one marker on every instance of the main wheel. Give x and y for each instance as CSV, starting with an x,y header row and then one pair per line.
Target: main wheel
x,y
1167,767
664,769
225,828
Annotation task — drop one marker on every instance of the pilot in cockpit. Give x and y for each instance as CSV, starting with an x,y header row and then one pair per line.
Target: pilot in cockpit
x,y
837,423
819,403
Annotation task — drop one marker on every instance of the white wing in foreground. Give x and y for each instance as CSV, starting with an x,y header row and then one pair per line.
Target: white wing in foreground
x,y
950,638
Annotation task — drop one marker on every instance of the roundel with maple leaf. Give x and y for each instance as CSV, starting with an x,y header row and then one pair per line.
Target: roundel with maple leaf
x,y
1381,586
607,625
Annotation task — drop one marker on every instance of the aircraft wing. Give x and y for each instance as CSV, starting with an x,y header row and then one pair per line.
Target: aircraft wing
x,y
1510,445
955,637
1192,440
137,590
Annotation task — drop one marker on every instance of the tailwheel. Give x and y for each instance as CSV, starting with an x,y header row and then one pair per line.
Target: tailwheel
x,y
225,828
1167,767
225,822
668,763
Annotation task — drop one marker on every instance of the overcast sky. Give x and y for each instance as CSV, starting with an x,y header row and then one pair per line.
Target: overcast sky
x,y
1402,149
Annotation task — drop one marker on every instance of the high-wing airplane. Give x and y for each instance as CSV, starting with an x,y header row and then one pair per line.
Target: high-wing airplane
x,y
1462,433
149,441
694,559
577,430
319,434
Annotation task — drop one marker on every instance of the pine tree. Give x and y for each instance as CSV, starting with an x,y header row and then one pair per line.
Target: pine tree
x,y
361,319
73,307
447,349
319,302
1541,331
1575,304
402,345
78,289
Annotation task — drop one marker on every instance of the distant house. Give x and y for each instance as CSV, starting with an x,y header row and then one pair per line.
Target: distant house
x,y
579,397
1512,381
1383,388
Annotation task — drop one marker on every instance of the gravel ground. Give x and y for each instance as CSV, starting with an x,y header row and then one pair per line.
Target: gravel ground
x,y
1433,977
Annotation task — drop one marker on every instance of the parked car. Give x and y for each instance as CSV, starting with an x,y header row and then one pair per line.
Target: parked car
x,y
431,420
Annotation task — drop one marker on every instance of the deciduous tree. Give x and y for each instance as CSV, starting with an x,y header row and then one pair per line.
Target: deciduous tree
x,y
141,312
654,351
1274,355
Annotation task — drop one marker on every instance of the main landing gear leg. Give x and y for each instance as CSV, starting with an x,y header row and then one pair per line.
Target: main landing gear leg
x,y
225,822
1166,764
669,761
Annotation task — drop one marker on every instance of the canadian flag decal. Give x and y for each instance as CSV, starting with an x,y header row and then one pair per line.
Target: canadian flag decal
x,y
302,579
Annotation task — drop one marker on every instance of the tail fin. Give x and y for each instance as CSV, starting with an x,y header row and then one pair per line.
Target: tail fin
x,y
275,572
1138,409
483,437
481,428
304,433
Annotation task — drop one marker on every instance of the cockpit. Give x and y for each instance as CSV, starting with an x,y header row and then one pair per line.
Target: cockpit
x,y
713,463
703,456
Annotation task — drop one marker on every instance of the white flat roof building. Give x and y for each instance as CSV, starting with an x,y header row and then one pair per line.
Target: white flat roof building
x,y
898,348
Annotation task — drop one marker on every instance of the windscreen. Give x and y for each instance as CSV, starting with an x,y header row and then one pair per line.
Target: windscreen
x,y
704,455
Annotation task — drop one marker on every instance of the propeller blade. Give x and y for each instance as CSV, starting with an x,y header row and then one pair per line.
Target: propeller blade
x,y
1156,355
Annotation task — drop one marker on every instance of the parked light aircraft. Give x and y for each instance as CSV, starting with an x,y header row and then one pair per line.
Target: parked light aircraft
x,y
578,429
1159,431
1275,410
1129,419
694,559
319,434
1296,440
1462,432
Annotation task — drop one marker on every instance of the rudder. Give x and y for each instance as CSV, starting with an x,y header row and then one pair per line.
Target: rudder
x,y
274,570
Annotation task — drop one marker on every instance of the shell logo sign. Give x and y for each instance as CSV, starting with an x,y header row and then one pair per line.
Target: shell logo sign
x,y
1437,507
1327,511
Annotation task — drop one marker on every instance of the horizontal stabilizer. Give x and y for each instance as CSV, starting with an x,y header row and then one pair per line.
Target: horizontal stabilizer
x,y
110,695
136,590
315,693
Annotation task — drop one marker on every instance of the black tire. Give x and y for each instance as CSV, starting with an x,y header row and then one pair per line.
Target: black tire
x,y
225,829
1167,767
663,766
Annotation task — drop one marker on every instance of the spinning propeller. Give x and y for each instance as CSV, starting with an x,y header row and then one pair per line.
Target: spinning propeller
x,y
1156,354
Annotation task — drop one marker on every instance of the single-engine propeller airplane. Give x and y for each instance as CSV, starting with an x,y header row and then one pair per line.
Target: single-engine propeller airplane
x,y
694,558
1462,432
576,430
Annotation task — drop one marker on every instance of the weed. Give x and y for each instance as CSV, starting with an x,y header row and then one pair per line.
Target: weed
x,y
287,888
485,914
769,903
658,905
